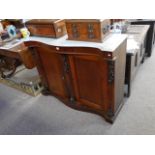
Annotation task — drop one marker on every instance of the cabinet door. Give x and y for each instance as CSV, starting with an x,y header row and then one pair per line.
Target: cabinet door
x,y
52,64
89,74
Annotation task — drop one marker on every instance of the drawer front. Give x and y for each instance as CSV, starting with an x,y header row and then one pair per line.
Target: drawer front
x,y
42,30
84,31
89,76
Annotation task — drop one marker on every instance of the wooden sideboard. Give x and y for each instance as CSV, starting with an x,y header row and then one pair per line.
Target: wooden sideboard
x,y
84,78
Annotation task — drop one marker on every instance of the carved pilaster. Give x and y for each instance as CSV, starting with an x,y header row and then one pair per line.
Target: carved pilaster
x,y
111,71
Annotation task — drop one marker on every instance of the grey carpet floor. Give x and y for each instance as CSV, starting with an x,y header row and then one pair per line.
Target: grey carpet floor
x,y
23,114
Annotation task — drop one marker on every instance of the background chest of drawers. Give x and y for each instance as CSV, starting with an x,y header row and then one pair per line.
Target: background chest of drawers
x,y
53,28
94,30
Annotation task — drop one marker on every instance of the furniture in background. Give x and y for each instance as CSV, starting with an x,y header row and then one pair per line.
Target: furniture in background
x,y
18,69
151,33
18,23
53,28
12,56
94,30
136,46
112,21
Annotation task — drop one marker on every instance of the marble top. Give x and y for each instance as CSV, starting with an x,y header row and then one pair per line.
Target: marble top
x,y
110,42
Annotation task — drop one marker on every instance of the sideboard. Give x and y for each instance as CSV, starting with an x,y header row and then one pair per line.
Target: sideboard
x,y
85,76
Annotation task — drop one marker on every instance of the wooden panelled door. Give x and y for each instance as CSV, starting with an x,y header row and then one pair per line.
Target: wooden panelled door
x,y
89,79
53,66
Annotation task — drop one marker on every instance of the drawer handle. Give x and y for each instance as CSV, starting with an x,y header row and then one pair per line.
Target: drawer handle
x,y
91,31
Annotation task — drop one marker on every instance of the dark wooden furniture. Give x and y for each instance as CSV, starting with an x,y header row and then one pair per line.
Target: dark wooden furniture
x,y
18,23
87,29
13,57
112,21
54,28
8,66
84,78
135,56
151,33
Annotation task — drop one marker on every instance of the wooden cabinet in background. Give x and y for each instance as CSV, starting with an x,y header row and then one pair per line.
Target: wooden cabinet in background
x,y
14,56
53,28
150,42
94,30
136,34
